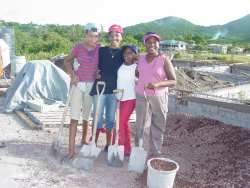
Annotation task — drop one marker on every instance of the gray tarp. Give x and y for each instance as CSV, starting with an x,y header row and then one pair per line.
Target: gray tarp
x,y
39,79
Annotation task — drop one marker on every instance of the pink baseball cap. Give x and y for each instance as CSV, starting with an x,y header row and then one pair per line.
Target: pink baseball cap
x,y
151,34
116,28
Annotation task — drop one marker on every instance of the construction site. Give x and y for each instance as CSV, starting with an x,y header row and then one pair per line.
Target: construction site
x,y
208,129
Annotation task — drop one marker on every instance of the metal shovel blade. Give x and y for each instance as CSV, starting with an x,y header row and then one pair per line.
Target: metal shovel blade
x,y
86,157
57,147
90,150
137,159
115,155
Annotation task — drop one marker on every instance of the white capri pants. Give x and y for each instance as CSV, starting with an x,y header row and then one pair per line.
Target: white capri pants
x,y
81,101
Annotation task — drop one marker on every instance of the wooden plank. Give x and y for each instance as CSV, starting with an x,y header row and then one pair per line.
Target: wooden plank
x,y
5,83
27,120
3,91
53,118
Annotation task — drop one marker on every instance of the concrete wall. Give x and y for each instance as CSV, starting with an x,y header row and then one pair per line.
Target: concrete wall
x,y
214,69
235,114
190,63
240,68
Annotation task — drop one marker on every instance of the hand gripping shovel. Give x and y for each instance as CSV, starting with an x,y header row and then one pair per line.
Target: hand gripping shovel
x,y
138,155
58,141
116,152
89,153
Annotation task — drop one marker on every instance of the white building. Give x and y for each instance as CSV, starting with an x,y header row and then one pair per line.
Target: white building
x,y
237,50
168,45
218,48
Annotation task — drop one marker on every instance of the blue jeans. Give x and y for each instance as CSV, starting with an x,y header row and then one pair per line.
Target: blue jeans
x,y
107,102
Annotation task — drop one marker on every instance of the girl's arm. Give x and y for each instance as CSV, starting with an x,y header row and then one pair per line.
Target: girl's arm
x,y
170,72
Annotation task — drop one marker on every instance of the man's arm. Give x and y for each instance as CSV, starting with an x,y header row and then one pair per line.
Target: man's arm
x,y
69,68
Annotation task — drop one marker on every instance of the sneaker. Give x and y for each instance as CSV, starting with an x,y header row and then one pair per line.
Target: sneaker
x,y
106,148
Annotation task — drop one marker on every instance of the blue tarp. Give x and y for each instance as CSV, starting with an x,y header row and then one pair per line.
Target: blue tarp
x,y
38,79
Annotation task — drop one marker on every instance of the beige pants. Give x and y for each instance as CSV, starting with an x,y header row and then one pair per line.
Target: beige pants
x,y
151,121
81,101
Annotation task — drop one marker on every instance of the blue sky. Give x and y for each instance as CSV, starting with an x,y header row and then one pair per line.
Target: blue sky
x,y
123,12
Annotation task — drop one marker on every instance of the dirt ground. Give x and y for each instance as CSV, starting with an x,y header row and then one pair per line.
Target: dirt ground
x,y
210,154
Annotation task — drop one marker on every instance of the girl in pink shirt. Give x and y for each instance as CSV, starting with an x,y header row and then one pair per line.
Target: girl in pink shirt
x,y
155,74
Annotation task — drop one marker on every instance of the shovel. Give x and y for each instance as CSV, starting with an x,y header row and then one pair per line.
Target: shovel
x,y
89,153
58,141
116,152
138,155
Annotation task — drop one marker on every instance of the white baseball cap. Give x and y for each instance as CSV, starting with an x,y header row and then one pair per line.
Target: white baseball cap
x,y
91,27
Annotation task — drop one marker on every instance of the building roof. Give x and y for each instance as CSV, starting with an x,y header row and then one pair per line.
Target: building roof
x,y
173,42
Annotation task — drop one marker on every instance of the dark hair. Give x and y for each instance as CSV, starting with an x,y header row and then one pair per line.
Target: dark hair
x,y
134,48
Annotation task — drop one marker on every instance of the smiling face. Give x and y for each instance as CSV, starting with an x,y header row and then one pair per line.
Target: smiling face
x,y
129,56
152,46
91,38
115,39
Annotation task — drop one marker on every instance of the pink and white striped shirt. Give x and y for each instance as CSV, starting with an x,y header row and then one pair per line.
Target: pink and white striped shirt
x,y
88,61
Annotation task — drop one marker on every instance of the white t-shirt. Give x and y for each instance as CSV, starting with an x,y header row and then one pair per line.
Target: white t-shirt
x,y
126,81
4,52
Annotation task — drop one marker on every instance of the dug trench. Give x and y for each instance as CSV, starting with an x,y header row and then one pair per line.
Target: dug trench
x,y
209,153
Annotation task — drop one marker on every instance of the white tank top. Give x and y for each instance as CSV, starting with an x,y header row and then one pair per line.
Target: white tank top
x,y
126,81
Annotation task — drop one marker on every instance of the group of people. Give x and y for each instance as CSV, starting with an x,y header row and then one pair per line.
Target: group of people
x,y
144,79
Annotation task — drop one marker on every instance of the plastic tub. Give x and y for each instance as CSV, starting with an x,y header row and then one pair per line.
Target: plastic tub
x,y
161,178
19,62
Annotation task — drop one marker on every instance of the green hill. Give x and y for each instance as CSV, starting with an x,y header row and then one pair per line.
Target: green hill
x,y
178,28
168,28
44,41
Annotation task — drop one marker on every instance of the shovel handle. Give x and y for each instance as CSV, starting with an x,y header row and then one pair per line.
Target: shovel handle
x,y
116,91
140,142
117,122
71,90
99,83
141,131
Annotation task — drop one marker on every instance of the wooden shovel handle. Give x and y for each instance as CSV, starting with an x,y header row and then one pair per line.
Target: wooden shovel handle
x,y
116,91
100,83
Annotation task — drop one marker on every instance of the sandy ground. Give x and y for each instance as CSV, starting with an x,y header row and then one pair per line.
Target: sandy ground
x,y
26,162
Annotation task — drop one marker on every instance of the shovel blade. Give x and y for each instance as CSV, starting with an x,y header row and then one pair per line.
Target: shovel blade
x,y
115,155
137,160
86,157
90,151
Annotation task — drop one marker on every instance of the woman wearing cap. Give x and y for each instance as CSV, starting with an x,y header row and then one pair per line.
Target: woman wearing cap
x,y
83,77
126,82
155,74
110,59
